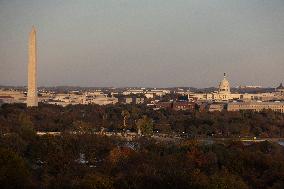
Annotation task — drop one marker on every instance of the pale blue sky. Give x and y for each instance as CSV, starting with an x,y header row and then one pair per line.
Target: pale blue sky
x,y
151,43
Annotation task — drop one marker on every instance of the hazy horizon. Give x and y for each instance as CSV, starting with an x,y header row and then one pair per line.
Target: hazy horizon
x,y
161,43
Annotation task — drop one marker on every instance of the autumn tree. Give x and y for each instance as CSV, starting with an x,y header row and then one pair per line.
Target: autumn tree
x,y
145,125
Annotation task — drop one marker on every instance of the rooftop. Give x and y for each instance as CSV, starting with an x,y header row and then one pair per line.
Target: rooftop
x,y
280,86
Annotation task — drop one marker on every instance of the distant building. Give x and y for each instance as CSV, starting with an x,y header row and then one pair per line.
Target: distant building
x,y
139,100
216,107
250,87
280,89
163,105
148,93
224,86
182,105
131,100
224,94
12,96
128,100
256,106
133,91
104,100
63,99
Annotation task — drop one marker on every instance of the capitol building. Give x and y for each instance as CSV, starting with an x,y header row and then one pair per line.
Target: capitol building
x,y
224,94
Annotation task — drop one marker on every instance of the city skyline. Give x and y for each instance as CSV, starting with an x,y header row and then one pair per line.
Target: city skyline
x,y
145,44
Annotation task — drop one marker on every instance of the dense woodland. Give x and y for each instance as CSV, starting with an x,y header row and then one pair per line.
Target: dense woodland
x,y
91,118
85,160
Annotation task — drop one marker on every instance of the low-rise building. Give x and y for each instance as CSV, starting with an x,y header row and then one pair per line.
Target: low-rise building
x,y
148,93
133,91
12,96
179,105
104,100
224,94
256,106
216,107
128,100
183,105
163,105
131,100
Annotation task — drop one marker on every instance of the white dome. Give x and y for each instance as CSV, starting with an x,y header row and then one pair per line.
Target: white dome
x,y
224,86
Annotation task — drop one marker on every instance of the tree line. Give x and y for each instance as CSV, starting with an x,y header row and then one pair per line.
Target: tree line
x,y
117,118
88,161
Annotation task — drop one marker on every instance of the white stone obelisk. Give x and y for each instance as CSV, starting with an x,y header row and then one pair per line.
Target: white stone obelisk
x,y
32,99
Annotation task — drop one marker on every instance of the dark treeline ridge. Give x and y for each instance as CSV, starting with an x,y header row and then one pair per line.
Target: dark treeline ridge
x,y
117,117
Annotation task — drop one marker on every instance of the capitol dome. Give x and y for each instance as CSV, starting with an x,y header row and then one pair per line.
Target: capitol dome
x,y
280,88
224,86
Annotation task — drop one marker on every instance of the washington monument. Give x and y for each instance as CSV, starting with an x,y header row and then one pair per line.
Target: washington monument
x,y
32,99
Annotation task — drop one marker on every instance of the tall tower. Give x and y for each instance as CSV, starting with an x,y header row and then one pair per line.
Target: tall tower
x,y
32,99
